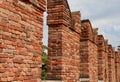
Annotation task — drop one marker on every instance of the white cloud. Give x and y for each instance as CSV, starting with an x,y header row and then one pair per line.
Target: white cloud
x,y
103,14
113,39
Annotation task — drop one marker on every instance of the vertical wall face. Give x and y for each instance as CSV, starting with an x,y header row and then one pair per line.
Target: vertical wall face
x,y
21,26
95,35
88,54
84,62
55,51
117,66
113,67
89,62
102,59
70,55
93,62
106,75
64,41
111,64
102,74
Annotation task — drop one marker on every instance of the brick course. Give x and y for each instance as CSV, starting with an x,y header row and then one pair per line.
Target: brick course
x,y
21,24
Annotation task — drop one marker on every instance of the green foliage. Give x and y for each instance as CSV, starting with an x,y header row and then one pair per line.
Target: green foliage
x,y
44,58
44,62
44,47
44,75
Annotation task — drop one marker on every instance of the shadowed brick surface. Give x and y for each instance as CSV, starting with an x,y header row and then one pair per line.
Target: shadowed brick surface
x,y
106,73
111,64
102,59
117,65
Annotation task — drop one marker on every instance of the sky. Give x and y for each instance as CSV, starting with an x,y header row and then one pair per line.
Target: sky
x,y
103,14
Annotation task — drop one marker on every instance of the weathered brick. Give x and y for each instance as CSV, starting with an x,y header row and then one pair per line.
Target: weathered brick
x,y
4,56
117,65
19,21
3,60
111,64
64,42
102,59
88,53
2,70
75,48
1,50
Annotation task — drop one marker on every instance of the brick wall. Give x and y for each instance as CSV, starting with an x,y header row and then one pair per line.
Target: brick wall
x,y
64,42
75,49
97,59
111,64
117,65
101,58
21,25
88,53
118,79
106,75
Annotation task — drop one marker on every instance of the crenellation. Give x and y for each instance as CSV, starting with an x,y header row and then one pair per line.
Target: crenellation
x,y
87,31
95,35
102,59
88,53
76,53
63,42
76,23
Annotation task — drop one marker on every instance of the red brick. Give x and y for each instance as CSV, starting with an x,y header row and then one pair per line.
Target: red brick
x,y
20,20
111,64
19,61
64,42
76,51
102,59
3,60
3,46
0,35
2,70
88,53
3,56
1,50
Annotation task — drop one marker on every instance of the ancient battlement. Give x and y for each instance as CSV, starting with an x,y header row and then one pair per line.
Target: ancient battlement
x,y
76,53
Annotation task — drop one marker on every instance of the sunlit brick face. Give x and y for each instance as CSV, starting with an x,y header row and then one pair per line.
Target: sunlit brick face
x,y
21,27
